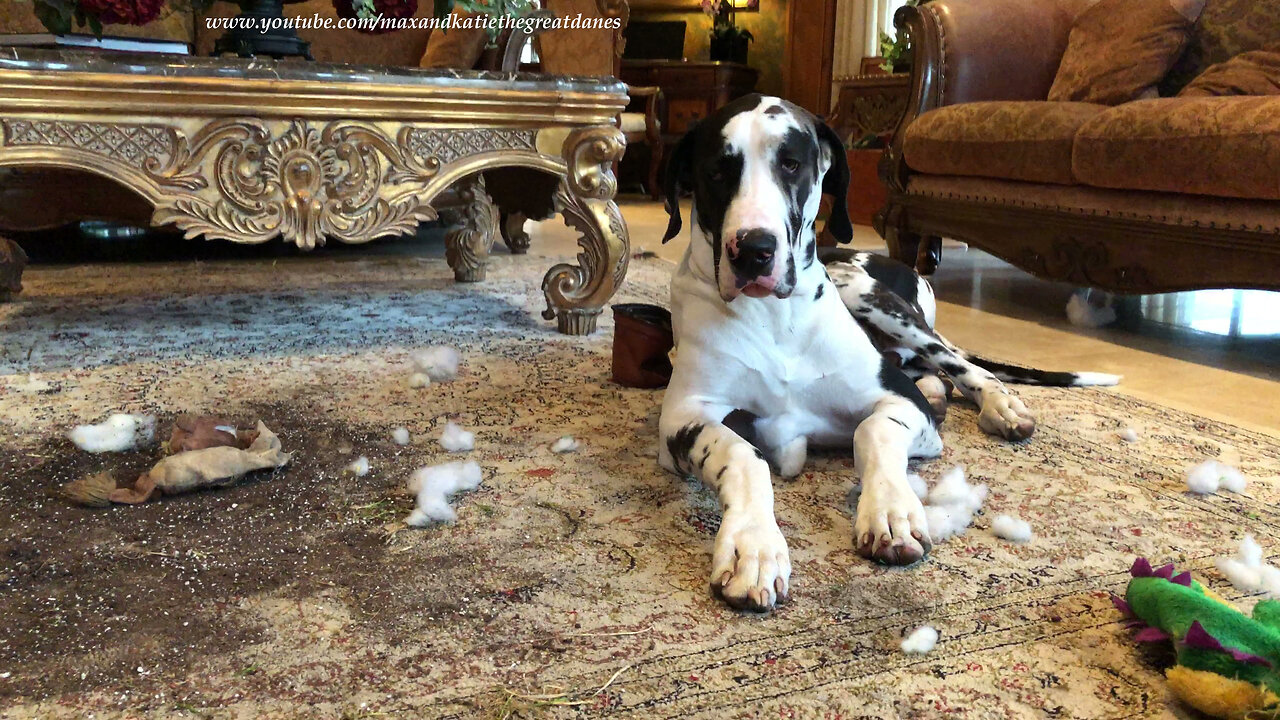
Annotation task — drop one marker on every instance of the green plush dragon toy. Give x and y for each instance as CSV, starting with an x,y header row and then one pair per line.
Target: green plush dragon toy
x,y
1228,663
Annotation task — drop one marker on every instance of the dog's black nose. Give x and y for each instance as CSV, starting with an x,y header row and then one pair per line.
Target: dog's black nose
x,y
751,255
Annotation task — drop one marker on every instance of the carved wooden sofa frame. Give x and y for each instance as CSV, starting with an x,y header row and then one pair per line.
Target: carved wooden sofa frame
x,y
1118,252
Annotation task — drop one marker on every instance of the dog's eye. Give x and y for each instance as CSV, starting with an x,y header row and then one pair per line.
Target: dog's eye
x,y
790,166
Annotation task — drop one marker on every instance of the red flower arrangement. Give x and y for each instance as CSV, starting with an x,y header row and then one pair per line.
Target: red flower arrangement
x,y
59,15
373,9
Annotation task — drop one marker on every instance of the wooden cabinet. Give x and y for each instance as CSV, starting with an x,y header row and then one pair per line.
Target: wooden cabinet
x,y
691,90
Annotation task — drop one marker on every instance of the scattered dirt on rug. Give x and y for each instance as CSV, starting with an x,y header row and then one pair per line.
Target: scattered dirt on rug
x,y
129,598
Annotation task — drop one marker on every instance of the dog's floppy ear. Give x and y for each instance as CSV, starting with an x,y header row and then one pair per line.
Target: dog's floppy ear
x,y
836,184
679,173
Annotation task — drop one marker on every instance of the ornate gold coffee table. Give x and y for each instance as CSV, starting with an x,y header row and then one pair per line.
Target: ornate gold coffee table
x,y
251,150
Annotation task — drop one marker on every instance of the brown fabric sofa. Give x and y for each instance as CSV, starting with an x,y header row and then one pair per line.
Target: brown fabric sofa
x,y
1171,193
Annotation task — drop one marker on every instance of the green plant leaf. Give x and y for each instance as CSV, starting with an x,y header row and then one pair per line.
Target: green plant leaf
x,y
54,15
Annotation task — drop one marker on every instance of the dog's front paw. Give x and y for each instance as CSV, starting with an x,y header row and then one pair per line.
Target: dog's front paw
x,y
751,567
891,527
1004,415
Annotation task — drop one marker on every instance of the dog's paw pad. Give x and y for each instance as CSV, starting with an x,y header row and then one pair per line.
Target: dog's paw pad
x,y
751,569
891,527
1005,415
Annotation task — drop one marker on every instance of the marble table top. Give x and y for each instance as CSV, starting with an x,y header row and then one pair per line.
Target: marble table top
x,y
186,66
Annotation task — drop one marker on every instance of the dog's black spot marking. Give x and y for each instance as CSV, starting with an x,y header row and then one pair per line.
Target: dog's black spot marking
x,y
894,419
722,471
743,423
896,277
789,279
934,348
952,369
706,453
818,294
810,253
895,381
680,444
775,110
759,455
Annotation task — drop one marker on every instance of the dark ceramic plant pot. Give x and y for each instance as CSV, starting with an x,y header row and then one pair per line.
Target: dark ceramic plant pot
x,y
247,39
730,49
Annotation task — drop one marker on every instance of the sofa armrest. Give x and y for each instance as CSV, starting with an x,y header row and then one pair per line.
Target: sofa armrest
x,y
976,50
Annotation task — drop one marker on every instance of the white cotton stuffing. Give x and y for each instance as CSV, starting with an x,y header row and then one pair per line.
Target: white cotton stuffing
x,y
920,641
1128,435
455,439
566,444
1082,313
117,433
419,380
400,436
918,485
433,485
1247,571
360,467
438,362
1011,528
1206,477
951,503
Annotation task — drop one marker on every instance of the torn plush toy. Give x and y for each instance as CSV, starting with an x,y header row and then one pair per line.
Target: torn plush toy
x,y
921,640
118,433
1011,528
1226,661
185,471
1206,477
192,432
1248,571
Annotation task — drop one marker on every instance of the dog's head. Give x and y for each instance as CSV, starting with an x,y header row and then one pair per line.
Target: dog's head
x,y
757,169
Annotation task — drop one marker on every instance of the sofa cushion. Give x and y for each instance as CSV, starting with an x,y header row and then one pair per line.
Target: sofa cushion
x,y
1119,50
1013,140
1251,73
1223,146
1226,28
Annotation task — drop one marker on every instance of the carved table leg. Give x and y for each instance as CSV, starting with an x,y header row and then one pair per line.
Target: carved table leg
x,y
468,241
12,262
513,234
576,293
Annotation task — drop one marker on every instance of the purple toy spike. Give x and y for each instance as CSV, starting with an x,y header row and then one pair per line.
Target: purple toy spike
x,y
1183,579
1198,637
1164,571
1121,605
1150,634
1141,568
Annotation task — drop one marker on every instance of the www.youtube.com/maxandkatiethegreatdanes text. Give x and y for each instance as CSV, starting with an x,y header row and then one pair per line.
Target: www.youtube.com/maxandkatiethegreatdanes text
x,y
449,22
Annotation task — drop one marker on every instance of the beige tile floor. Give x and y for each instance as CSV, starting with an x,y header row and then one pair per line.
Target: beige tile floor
x,y
994,309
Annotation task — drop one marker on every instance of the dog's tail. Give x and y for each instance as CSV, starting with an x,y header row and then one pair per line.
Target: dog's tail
x,y
1033,376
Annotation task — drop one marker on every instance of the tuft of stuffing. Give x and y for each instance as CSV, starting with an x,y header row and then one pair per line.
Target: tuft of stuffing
x,y
360,467
117,433
565,444
951,504
433,485
400,435
455,439
1128,435
1082,313
920,641
419,380
1011,528
1247,571
1208,476
918,485
438,362
1232,479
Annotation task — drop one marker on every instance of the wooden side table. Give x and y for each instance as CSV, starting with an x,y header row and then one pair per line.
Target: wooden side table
x,y
252,150
692,90
870,104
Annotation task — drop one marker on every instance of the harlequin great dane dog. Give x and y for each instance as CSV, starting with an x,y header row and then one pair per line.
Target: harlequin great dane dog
x,y
779,346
